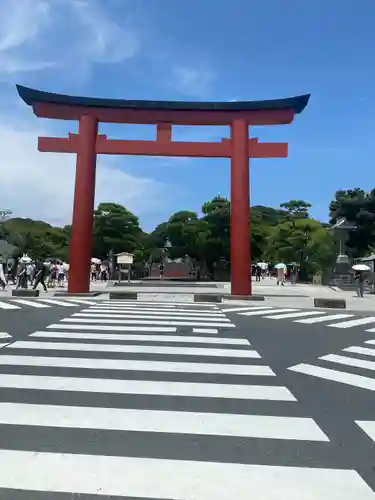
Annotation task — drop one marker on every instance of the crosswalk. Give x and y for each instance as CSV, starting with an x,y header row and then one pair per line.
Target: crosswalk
x,y
305,317
40,303
179,407
353,366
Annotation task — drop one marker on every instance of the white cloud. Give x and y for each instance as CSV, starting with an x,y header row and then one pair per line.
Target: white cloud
x,y
41,185
194,81
37,34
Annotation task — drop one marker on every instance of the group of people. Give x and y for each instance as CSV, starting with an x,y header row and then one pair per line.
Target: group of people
x,y
32,273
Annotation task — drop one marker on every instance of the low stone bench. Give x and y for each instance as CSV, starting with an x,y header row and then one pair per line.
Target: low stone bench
x,y
330,303
123,295
207,297
22,292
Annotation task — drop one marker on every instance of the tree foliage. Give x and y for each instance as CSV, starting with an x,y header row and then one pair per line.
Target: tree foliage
x,y
358,208
287,234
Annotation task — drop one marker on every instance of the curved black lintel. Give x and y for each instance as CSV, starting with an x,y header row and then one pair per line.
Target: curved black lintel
x,y
32,96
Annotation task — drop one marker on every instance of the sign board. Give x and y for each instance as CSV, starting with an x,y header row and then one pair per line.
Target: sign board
x,y
124,258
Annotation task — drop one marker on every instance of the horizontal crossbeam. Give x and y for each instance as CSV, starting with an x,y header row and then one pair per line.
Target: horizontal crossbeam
x,y
164,147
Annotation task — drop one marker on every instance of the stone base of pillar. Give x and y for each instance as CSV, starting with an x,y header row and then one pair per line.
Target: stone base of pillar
x,y
244,297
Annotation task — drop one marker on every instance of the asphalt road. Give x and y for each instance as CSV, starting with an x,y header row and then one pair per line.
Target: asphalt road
x,y
334,406
108,403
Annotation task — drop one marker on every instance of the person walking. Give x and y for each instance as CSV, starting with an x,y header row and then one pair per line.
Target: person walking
x,y
41,272
360,283
258,273
3,281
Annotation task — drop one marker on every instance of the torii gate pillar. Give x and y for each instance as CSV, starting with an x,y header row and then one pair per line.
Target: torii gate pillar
x,y
240,210
83,207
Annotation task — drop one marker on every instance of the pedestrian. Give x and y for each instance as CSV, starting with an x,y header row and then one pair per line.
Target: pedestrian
x,y
359,282
161,270
258,273
280,276
41,272
3,281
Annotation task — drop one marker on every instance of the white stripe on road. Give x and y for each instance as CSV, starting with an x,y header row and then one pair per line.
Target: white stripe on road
x,y
345,360
4,335
265,312
328,317
149,310
368,428
8,305
248,308
32,303
146,366
145,322
156,303
178,479
143,387
175,422
3,344
55,302
294,315
141,338
205,330
103,328
360,350
335,376
137,349
83,301
353,322
137,315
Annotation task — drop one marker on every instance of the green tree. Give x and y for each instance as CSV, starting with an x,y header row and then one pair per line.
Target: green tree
x,y
296,209
115,229
37,238
358,208
304,241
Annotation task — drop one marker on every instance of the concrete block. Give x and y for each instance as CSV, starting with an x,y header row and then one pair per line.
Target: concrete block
x,y
207,297
244,297
123,295
330,303
21,292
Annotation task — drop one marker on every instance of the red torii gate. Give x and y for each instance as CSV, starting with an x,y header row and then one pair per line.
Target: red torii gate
x,y
88,143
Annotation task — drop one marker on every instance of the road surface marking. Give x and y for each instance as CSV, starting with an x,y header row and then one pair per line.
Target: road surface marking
x,y
8,305
368,427
360,350
138,315
4,335
55,302
32,303
142,338
328,317
137,365
137,349
205,330
265,312
353,322
248,308
146,387
344,360
179,479
153,311
175,422
146,322
156,303
335,376
294,315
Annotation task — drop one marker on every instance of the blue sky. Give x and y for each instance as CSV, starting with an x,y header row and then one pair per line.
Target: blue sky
x,y
190,50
